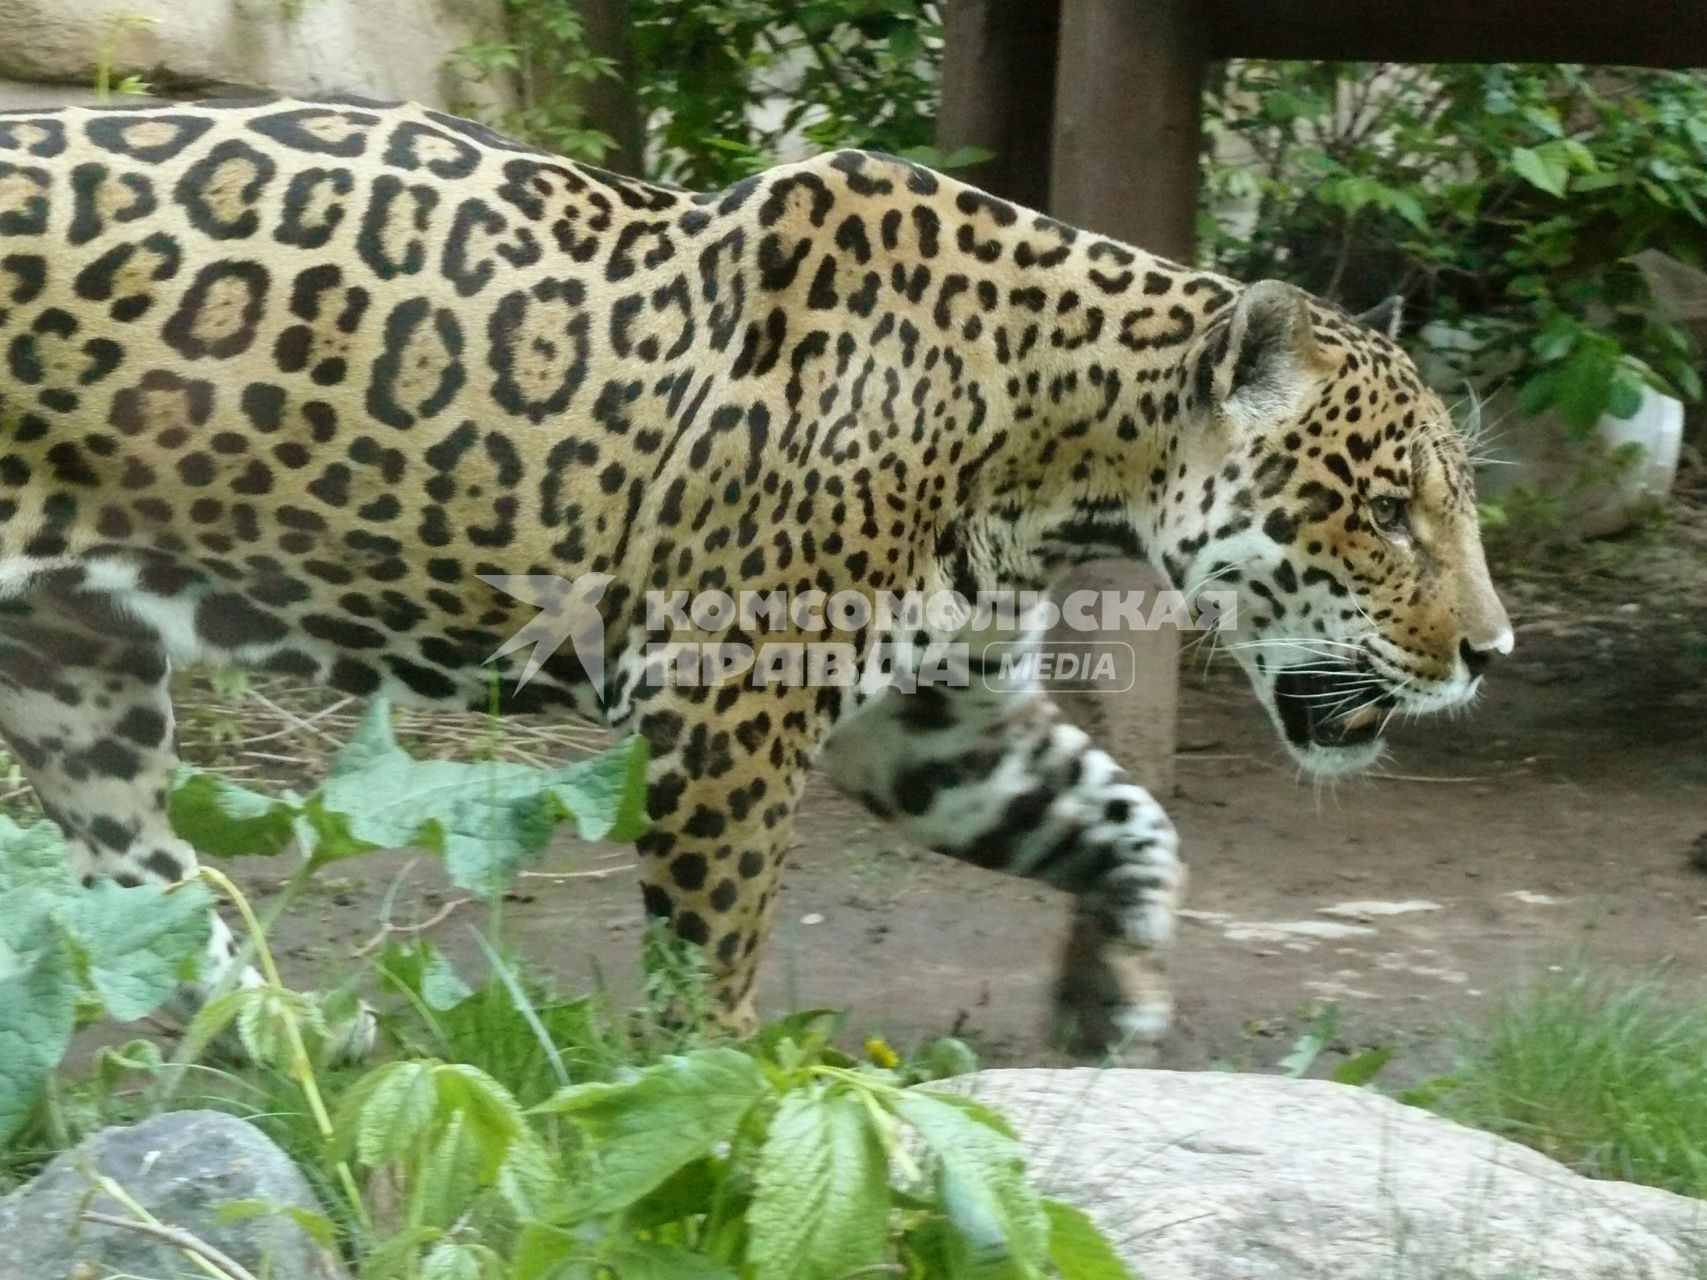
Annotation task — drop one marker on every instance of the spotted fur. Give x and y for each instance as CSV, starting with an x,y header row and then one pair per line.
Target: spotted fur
x,y
283,382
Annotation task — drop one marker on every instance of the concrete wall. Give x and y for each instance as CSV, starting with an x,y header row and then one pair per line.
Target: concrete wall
x,y
387,49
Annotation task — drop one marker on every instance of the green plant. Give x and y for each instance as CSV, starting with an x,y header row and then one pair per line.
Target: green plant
x,y
69,954
517,1135
119,26
1604,1074
730,85
1504,200
487,817
543,53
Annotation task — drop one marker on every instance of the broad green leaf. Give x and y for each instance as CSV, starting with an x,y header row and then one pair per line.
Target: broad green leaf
x,y
493,1118
449,1175
264,1018
456,1260
606,795
529,1179
225,820
34,880
423,971
640,1132
1077,1250
982,1185
1312,1044
1539,170
38,1003
127,947
488,818
686,1193
213,1020
544,1252
1623,399
821,1199
396,1111
136,944
31,857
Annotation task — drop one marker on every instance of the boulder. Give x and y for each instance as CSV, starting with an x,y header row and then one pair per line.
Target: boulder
x,y
181,1167
1205,1176
388,49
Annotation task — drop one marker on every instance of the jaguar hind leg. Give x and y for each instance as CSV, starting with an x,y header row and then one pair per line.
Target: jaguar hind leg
x,y
84,709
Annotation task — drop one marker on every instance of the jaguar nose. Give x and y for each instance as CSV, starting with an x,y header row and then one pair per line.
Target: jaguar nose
x,y
1477,660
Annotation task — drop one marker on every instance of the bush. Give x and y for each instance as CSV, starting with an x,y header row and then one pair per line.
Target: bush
x,y
512,1134
1503,200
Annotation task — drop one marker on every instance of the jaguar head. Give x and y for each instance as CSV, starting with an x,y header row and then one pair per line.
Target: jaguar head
x,y
1327,486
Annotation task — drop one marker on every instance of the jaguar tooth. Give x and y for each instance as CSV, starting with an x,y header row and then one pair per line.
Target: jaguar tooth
x,y
1362,718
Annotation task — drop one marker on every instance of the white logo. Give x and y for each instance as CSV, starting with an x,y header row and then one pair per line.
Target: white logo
x,y
568,610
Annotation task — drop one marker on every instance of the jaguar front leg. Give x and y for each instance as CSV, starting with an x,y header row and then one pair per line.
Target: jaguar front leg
x,y
996,778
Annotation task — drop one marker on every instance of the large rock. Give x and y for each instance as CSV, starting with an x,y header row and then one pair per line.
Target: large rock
x,y
1203,1176
308,48
181,1167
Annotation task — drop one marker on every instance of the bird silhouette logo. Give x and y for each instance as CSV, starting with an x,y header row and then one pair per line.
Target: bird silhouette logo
x,y
568,611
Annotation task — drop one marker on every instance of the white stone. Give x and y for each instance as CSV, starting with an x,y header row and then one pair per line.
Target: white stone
x,y
1287,930
1365,910
1205,1176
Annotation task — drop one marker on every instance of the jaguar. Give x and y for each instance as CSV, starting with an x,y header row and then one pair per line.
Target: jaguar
x,y
299,385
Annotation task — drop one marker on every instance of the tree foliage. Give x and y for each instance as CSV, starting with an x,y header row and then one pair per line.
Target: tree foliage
x,y
1504,200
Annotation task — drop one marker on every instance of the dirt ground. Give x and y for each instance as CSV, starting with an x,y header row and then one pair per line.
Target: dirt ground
x,y
1558,817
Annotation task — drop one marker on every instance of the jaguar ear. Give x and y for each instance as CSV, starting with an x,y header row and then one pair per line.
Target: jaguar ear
x,y
1267,360
1385,316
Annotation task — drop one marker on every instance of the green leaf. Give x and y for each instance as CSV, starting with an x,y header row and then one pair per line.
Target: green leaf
x,y
264,1019
488,818
821,1194
38,1004
606,795
665,1262
1077,1249
1363,1068
640,1132
31,857
686,1193
136,944
396,1112
1540,170
127,946
213,1020
456,1260
982,1186
1311,1045
316,1225
1623,398
422,970
494,1118
225,820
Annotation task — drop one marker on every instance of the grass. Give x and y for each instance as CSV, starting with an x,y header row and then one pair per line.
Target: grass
x,y
1608,1076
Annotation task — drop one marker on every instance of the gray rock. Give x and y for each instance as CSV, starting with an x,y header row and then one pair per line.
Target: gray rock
x,y
181,1167
1203,1176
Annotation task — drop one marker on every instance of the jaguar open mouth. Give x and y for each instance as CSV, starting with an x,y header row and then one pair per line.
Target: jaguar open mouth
x,y
1335,707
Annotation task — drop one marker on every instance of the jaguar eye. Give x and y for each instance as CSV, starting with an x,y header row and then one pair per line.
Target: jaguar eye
x,y
1390,514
